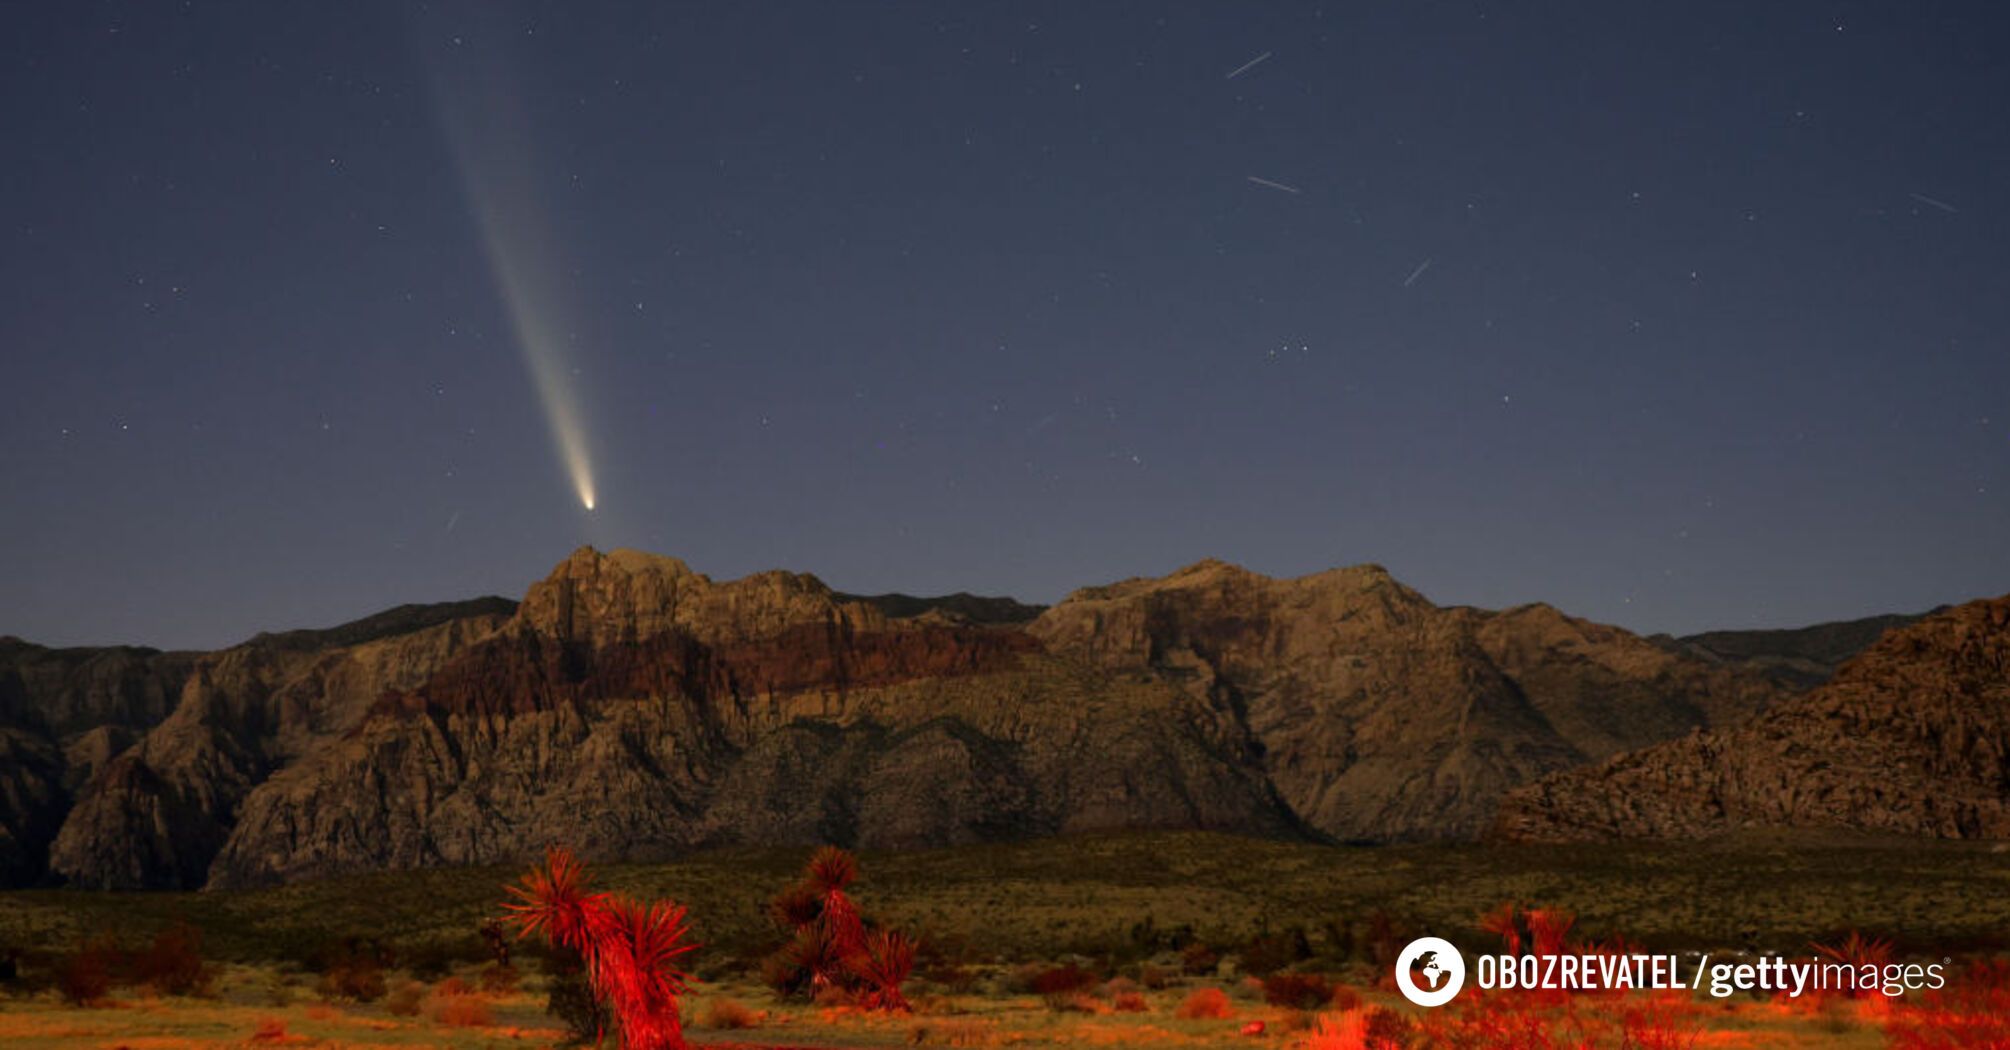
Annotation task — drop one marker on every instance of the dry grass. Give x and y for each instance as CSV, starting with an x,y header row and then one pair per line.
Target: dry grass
x,y
478,1020
730,1014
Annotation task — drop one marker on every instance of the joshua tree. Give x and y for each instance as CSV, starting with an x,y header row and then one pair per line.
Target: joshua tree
x,y
831,948
630,948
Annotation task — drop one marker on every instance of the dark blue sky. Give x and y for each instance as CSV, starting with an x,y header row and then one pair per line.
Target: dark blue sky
x,y
1676,316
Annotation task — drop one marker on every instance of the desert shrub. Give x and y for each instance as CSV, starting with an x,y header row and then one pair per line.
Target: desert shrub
x,y
1129,1003
498,978
1056,980
1198,959
173,964
359,977
461,1011
1117,986
85,975
569,999
1299,991
352,969
881,966
1384,938
1205,1004
1857,951
1152,977
730,1013
1267,954
831,946
429,960
404,1000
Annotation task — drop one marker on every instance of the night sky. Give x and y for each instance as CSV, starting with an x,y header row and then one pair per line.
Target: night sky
x,y
1676,316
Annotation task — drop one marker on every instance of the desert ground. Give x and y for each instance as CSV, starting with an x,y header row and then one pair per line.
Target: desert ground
x,y
1184,940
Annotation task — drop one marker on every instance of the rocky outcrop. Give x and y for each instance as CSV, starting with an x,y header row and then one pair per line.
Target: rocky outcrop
x,y
62,713
153,815
63,693
1380,715
1912,736
633,707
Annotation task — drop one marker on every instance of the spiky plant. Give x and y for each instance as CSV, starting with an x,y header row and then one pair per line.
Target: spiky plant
x,y
796,907
830,948
831,869
882,966
630,949
1504,922
1549,930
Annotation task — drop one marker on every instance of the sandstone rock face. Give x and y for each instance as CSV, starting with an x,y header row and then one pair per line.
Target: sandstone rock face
x,y
63,693
632,707
61,711
1380,715
153,815
1911,736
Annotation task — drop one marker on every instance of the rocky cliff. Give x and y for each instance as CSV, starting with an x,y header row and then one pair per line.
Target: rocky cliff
x,y
1379,715
157,803
1911,736
63,714
634,707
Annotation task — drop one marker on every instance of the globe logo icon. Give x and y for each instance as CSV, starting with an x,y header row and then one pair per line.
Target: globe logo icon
x,y
1430,971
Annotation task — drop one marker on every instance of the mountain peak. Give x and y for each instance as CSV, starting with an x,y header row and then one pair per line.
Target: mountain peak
x,y
600,598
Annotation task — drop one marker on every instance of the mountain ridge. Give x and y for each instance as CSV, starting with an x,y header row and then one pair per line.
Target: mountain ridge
x,y
672,710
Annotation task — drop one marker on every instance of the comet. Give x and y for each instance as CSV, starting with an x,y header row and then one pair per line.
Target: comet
x,y
486,128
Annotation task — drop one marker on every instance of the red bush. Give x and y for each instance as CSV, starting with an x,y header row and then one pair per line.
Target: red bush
x,y
1299,991
1060,979
84,976
1205,1004
173,964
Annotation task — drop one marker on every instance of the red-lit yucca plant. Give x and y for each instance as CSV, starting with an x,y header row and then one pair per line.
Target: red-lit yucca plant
x,y
882,966
831,949
630,948
1857,952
